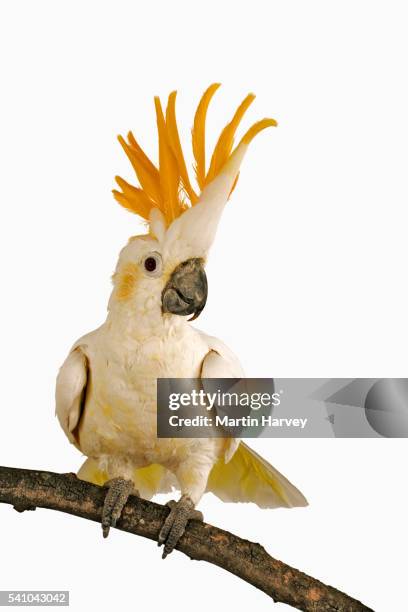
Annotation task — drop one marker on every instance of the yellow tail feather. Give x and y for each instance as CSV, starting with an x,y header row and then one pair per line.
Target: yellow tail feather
x,y
148,481
249,478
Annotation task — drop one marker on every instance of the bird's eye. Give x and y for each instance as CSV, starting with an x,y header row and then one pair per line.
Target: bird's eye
x,y
152,264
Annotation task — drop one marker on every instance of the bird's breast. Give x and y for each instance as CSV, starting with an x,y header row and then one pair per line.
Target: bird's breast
x,y
120,408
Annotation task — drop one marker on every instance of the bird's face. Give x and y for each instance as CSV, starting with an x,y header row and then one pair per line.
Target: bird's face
x,y
162,274
153,280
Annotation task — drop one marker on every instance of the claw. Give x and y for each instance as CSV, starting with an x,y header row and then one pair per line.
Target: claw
x,y
118,493
175,524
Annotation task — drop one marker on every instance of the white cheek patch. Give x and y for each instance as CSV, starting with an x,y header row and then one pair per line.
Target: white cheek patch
x,y
150,302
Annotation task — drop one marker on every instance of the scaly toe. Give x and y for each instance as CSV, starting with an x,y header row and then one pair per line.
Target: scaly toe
x,y
117,495
175,524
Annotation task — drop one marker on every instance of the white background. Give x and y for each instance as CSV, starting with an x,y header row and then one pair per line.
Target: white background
x,y
307,276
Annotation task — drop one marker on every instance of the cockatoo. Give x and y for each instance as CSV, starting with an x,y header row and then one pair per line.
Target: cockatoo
x,y
106,388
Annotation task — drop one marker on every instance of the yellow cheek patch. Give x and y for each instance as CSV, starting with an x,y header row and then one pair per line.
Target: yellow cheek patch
x,y
126,281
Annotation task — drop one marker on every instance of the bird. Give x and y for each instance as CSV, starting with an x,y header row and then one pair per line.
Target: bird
x,y
106,388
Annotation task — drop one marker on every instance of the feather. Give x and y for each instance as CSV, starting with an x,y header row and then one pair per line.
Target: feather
x,y
135,145
249,136
175,145
198,133
132,198
234,185
247,477
256,128
145,170
225,142
168,187
148,481
169,173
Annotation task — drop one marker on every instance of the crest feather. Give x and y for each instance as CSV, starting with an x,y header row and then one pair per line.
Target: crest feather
x,y
168,168
132,198
145,170
198,133
165,188
175,144
225,142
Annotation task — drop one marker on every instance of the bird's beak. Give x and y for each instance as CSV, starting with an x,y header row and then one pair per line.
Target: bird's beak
x,y
186,290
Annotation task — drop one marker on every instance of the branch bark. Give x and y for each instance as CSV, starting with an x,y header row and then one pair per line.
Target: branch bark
x,y
28,489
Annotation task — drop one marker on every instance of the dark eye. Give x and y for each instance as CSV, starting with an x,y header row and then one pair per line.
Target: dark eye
x,y
152,264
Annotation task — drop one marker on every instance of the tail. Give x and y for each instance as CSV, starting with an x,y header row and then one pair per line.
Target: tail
x,y
249,478
148,481
245,478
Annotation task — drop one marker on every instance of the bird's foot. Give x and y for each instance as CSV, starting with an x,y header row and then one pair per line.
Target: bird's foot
x,y
175,524
117,495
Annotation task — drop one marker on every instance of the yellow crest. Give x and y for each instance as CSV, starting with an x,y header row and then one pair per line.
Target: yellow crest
x,y
168,186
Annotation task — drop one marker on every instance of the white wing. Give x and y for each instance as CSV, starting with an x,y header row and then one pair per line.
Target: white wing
x,y
220,362
244,476
70,392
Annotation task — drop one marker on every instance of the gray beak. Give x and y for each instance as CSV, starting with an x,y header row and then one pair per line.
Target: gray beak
x,y
186,290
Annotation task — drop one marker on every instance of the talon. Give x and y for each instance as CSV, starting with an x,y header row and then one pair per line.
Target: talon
x,y
175,524
117,495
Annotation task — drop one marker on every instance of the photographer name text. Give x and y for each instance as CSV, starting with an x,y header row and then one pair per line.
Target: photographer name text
x,y
227,421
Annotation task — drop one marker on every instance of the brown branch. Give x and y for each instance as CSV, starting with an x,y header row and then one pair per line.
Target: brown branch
x,y
27,489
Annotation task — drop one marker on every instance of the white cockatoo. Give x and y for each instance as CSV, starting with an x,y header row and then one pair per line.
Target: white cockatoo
x,y
106,388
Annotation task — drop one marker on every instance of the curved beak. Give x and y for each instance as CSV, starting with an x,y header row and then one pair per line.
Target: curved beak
x,y
186,290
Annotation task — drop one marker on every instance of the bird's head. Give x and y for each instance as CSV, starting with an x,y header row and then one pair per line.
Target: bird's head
x,y
163,271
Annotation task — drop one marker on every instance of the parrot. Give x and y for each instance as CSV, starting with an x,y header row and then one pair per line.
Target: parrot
x,y
106,389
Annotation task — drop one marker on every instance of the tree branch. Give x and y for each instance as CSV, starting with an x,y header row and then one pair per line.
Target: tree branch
x,y
27,489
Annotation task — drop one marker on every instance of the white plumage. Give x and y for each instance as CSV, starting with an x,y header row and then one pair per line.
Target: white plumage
x,y
106,388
